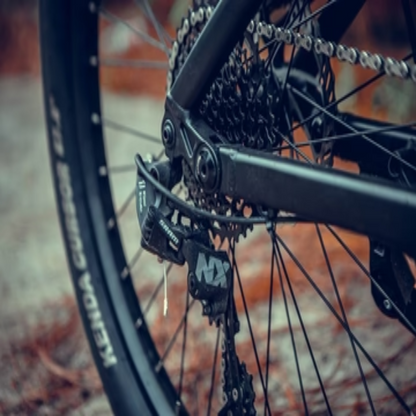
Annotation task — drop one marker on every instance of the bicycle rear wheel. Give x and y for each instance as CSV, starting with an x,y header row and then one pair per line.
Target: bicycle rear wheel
x,y
146,367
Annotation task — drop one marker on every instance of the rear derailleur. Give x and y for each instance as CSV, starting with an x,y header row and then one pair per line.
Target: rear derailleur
x,y
179,237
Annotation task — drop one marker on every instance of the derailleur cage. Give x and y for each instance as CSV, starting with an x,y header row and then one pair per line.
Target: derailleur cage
x,y
209,270
210,275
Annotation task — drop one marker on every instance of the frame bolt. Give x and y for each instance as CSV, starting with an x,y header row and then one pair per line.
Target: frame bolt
x,y
206,169
168,133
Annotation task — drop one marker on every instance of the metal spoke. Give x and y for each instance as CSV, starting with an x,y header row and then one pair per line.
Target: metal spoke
x,y
356,90
253,341
143,35
344,316
176,333
283,90
214,366
287,21
125,129
293,146
384,129
314,14
269,326
352,129
407,11
135,258
121,169
372,278
126,203
133,63
276,250
345,327
161,32
185,327
276,45
299,315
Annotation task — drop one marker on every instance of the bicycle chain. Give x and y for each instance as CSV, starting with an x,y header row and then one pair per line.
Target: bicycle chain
x,y
237,384
368,60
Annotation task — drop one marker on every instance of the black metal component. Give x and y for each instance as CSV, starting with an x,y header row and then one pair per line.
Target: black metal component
x,y
391,271
159,235
168,133
370,158
411,29
367,205
357,203
206,169
195,143
210,273
209,276
218,38
402,172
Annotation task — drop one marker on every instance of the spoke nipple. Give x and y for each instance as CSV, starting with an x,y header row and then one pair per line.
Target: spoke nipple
x,y
124,273
95,118
159,366
139,323
387,304
110,223
93,61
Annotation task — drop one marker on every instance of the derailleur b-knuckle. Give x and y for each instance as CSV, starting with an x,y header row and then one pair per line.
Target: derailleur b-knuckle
x,y
160,235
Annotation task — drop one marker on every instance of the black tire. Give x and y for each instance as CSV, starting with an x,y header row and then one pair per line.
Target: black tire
x,y
69,93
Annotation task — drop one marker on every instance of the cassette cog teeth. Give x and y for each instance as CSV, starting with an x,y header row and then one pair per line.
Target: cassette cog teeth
x,y
228,95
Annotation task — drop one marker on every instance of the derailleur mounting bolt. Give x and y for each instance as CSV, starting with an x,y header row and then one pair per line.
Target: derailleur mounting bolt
x,y
168,133
206,169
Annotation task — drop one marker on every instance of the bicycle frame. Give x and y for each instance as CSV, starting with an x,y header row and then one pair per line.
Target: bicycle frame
x,y
369,206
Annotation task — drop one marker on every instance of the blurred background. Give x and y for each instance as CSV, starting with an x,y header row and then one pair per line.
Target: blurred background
x,y
44,360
